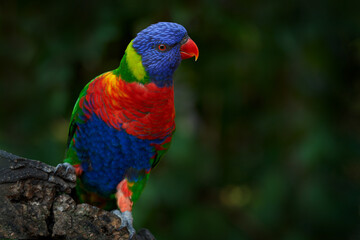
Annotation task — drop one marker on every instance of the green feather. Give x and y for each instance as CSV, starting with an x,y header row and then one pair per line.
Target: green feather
x,y
71,156
131,68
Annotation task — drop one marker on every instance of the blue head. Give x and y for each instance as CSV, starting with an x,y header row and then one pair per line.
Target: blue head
x,y
159,46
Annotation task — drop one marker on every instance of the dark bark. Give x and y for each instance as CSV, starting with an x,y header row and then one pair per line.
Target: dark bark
x,y
35,204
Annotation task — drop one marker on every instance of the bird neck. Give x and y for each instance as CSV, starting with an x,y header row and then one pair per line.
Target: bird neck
x,y
131,68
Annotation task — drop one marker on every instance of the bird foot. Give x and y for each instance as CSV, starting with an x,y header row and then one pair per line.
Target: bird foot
x,y
126,221
65,170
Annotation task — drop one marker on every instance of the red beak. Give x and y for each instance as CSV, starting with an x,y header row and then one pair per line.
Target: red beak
x,y
189,49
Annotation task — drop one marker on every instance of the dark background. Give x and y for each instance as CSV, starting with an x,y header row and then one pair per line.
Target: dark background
x,y
267,145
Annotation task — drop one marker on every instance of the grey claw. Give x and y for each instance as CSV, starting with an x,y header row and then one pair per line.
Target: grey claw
x,y
67,166
126,221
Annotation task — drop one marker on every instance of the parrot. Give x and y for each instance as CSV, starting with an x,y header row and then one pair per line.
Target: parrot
x,y
123,121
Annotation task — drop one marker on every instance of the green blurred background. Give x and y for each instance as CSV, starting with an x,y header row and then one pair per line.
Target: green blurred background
x,y
267,145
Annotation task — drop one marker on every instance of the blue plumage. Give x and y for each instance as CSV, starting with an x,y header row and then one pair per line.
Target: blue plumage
x,y
110,154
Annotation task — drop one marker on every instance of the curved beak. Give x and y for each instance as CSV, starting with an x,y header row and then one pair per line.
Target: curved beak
x,y
189,49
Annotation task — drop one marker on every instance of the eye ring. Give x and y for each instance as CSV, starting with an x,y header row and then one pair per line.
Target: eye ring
x,y
162,47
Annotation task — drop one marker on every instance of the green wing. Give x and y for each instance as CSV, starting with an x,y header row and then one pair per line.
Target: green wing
x,y
71,156
160,153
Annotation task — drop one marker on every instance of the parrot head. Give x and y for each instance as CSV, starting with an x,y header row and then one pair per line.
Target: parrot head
x,y
161,48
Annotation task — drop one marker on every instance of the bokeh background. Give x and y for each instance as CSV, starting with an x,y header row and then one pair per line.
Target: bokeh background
x,y
267,145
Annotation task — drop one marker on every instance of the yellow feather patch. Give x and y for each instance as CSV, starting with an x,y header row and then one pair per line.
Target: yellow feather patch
x,y
112,85
134,62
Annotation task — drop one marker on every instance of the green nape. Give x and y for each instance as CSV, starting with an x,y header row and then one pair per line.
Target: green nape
x,y
131,68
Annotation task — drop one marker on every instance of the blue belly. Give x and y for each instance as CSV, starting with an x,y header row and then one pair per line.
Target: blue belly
x,y
106,154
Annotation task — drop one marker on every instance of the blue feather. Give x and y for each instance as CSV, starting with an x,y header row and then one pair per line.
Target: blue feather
x,y
160,65
110,153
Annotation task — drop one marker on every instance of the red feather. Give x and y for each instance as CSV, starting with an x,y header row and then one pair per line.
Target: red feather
x,y
146,111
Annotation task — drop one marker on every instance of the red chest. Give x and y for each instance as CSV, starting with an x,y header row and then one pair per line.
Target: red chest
x,y
145,111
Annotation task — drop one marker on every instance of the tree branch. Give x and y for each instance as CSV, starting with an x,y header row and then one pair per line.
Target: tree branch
x,y
35,204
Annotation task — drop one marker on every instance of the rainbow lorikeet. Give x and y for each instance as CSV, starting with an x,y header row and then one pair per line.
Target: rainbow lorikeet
x,y
123,120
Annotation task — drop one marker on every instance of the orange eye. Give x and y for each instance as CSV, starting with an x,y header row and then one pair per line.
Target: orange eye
x,y
162,47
